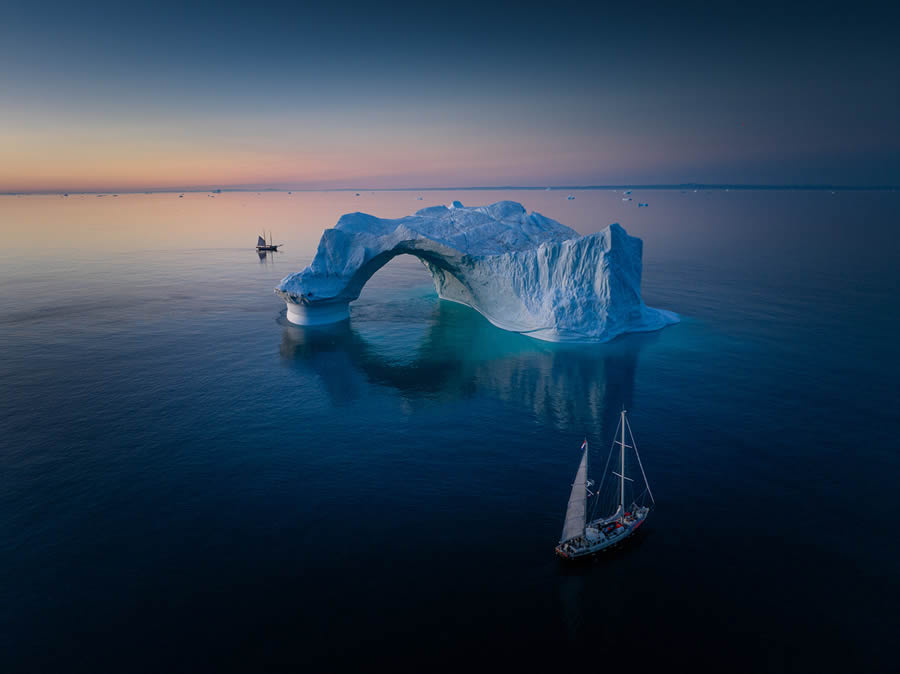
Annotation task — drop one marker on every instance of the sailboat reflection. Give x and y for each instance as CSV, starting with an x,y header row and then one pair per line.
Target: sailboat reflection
x,y
266,258
461,355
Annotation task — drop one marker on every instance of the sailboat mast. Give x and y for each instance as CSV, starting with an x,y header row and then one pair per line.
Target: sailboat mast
x,y
622,470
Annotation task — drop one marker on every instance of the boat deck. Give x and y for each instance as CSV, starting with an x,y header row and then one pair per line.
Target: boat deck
x,y
602,535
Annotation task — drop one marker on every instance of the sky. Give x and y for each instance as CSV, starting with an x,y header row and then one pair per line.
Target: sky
x,y
114,96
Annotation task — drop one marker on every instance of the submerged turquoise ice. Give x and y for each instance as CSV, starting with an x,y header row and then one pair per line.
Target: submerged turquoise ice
x,y
522,271
191,482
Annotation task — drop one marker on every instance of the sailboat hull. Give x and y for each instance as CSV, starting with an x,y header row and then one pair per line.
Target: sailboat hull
x,y
596,540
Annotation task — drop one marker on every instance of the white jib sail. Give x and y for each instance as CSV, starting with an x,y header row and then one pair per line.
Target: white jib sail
x,y
575,513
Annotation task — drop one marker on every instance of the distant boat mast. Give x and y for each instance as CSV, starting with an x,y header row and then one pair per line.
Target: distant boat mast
x,y
263,245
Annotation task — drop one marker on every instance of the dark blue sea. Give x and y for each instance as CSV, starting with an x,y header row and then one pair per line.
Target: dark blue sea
x,y
190,483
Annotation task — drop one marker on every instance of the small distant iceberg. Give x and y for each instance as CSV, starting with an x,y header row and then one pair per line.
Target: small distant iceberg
x,y
523,272
627,192
570,197
626,198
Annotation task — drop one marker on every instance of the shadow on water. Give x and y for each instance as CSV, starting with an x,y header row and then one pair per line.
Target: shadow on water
x,y
461,355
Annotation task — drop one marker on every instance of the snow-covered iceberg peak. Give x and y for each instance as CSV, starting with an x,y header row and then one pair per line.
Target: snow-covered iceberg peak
x,y
523,272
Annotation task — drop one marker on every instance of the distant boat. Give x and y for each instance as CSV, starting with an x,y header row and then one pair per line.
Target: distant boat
x,y
570,197
263,245
582,538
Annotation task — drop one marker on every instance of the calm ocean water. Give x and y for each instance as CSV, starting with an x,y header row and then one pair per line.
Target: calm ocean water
x,y
190,483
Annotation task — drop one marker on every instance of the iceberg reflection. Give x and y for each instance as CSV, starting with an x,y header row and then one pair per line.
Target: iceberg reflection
x,y
461,355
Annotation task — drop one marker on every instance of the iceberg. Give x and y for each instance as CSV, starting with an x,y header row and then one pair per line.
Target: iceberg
x,y
523,272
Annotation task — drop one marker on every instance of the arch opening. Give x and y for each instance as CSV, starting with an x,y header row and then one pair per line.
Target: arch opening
x,y
362,276
308,309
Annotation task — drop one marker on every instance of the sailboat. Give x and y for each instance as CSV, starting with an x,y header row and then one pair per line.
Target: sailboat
x,y
581,536
263,245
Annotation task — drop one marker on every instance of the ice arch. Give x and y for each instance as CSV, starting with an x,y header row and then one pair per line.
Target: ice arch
x,y
313,308
523,272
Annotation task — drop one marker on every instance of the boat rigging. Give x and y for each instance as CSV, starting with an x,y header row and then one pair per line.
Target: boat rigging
x,y
263,245
583,538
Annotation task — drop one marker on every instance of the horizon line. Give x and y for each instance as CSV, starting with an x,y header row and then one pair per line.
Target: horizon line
x,y
649,186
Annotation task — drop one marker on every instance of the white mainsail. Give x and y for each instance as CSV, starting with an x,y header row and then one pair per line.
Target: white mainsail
x,y
575,513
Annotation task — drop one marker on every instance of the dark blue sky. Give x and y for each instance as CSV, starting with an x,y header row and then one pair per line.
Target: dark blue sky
x,y
114,95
